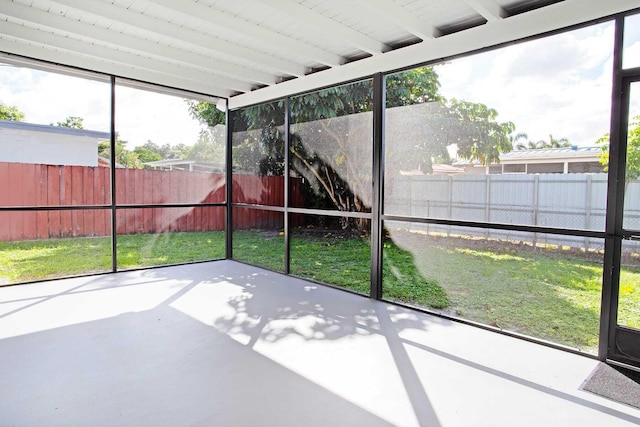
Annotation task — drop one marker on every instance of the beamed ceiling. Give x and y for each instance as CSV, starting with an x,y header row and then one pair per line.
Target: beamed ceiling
x,y
254,50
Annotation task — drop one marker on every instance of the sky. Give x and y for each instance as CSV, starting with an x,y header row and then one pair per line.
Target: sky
x,y
559,85
141,115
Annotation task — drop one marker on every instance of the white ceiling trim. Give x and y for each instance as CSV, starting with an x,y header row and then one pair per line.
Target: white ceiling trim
x,y
186,59
57,56
58,41
400,17
165,29
489,9
326,26
261,36
545,19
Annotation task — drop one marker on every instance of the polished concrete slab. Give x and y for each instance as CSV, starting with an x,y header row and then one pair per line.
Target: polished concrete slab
x,y
226,344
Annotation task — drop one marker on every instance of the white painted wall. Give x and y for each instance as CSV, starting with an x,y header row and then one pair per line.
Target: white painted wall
x,y
52,145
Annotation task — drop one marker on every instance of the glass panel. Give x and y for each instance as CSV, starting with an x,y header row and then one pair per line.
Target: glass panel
x,y
629,293
38,245
631,219
258,237
542,285
332,148
533,108
50,156
258,154
323,249
160,236
168,149
631,44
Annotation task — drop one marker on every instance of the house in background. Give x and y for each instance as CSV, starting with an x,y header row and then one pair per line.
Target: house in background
x,y
184,165
22,142
547,160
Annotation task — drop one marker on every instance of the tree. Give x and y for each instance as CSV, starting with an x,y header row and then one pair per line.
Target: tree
x,y
167,151
71,122
146,155
542,144
124,157
11,113
210,146
633,150
206,113
480,136
330,117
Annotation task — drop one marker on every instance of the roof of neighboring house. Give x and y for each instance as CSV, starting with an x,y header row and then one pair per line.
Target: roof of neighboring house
x,y
552,153
33,127
185,164
105,162
545,155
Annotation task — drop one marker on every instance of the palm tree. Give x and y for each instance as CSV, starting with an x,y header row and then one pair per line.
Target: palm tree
x,y
517,137
541,144
554,143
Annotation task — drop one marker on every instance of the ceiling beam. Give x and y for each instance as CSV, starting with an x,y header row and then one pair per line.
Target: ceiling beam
x,y
489,9
126,42
200,40
261,36
538,21
22,32
321,24
35,51
400,17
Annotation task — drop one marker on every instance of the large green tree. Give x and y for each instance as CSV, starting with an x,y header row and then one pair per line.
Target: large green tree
x,y
329,165
11,113
633,150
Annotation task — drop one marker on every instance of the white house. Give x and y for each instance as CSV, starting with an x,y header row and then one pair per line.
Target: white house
x,y
547,160
22,142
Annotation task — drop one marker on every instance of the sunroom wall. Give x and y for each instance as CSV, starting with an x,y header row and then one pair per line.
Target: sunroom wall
x,y
67,210
565,95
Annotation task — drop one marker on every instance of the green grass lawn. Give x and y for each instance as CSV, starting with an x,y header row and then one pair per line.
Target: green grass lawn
x,y
44,259
554,295
546,294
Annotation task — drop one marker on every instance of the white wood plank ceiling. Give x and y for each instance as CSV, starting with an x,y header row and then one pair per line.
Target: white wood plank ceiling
x,y
253,50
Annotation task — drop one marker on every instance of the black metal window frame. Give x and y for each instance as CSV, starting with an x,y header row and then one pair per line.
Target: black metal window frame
x,y
613,234
377,216
113,207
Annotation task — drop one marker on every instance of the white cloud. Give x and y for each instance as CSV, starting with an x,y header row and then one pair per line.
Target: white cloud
x,y
631,55
163,119
558,85
47,98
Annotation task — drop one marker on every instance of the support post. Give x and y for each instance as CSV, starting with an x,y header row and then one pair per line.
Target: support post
x,y
228,226
377,232
112,175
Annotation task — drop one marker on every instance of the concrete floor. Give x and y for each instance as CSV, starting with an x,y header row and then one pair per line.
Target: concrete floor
x,y
225,344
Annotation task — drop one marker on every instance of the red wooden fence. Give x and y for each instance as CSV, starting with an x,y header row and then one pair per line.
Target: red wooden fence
x,y
23,184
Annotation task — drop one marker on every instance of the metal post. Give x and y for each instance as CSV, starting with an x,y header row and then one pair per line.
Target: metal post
x,y
536,193
487,200
588,201
228,227
378,180
449,202
112,170
615,200
287,180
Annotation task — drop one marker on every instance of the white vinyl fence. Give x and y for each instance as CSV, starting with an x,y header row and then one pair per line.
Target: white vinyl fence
x,y
568,201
